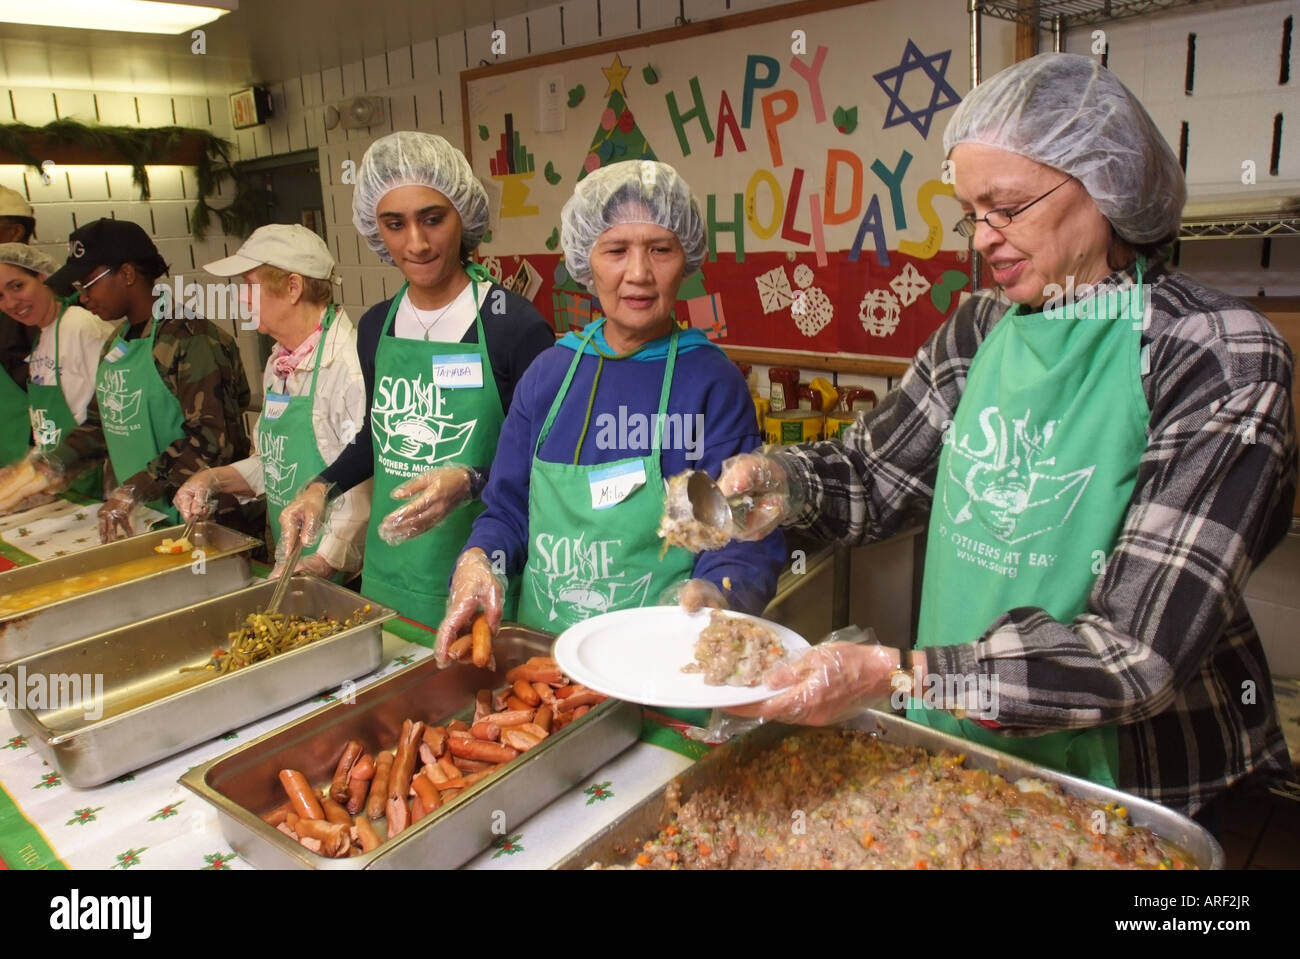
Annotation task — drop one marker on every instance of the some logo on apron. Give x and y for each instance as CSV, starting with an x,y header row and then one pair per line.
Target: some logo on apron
x,y
279,475
118,406
408,422
575,576
44,430
1006,481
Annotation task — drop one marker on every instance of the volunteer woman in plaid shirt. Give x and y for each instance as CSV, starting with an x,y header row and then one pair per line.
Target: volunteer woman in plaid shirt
x,y
1101,476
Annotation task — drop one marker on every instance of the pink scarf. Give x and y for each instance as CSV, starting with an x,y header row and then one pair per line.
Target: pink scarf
x,y
284,362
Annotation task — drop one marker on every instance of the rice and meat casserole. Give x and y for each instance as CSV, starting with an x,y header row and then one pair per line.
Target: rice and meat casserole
x,y
732,651
842,799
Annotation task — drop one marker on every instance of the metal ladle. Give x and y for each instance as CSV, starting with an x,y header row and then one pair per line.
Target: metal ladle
x,y
710,506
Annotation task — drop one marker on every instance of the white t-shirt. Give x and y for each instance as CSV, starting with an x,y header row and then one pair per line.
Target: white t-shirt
x,y
446,325
81,337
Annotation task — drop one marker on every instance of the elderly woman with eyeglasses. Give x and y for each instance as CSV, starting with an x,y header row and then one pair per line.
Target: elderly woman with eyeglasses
x,y
1104,460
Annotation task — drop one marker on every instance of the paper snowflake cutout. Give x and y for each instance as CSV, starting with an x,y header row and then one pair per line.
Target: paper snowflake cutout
x,y
879,312
909,284
803,276
493,266
812,311
774,290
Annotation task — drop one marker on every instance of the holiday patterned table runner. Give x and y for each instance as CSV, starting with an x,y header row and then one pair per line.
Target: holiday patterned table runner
x,y
58,529
147,820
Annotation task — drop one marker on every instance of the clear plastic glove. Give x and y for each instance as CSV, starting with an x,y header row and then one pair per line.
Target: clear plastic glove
x,y
761,476
429,499
197,497
115,514
316,565
693,595
304,516
829,682
475,585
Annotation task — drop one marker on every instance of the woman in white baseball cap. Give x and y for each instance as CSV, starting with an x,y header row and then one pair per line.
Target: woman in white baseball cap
x,y
314,396
62,364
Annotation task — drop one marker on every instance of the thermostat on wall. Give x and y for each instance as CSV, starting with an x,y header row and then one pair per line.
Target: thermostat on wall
x,y
251,107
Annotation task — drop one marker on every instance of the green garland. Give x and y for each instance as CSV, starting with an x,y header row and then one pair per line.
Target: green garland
x,y
138,146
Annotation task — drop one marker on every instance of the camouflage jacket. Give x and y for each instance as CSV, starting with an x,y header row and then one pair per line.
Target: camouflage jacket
x,y
200,364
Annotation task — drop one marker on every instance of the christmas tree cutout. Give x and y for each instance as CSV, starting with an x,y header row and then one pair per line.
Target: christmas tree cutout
x,y
617,137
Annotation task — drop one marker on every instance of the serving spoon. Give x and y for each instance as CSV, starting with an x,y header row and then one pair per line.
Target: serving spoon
x,y
710,506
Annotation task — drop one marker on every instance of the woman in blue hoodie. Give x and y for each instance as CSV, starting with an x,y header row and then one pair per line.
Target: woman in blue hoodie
x,y
601,419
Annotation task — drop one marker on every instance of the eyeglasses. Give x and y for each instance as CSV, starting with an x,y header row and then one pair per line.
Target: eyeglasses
x,y
82,287
999,219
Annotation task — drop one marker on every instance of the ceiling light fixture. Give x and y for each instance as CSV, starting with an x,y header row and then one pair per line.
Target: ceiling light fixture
x,y
132,16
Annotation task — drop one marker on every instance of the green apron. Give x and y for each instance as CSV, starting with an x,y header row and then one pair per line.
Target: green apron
x,y
1034,481
52,419
13,406
434,404
614,508
286,441
139,415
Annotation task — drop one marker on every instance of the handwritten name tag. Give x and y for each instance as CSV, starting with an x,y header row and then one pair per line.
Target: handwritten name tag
x,y
612,485
458,372
276,404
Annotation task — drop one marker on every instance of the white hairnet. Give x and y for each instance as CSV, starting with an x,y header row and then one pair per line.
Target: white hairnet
x,y
634,191
29,258
409,158
1068,112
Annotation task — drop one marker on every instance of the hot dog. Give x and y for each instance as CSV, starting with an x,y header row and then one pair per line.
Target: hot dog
x,y
588,697
525,692
534,730
543,718
334,812
485,730
278,814
427,791
418,811
335,838
366,834
464,765
514,703
305,803
359,784
457,724
460,648
516,738
399,780
581,711
352,752
535,672
481,651
447,765
544,692
477,749
482,704
464,782
435,737
379,785
511,717
435,772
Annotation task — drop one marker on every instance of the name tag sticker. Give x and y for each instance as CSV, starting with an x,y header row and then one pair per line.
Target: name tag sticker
x,y
276,404
117,352
463,372
611,486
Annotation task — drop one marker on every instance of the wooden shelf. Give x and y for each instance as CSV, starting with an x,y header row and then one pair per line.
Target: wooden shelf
x,y
834,363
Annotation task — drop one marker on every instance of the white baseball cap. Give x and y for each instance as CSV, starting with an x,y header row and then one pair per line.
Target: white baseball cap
x,y
13,203
287,246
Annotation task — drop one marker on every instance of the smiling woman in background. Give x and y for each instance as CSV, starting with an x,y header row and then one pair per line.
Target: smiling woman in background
x,y
61,370
583,485
440,360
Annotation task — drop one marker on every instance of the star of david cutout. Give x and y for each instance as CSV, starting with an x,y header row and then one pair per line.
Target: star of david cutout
x,y
942,97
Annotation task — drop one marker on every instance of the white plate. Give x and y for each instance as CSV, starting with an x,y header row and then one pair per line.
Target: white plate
x,y
638,654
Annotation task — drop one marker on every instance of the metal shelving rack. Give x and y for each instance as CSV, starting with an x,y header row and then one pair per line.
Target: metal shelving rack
x,y
1057,16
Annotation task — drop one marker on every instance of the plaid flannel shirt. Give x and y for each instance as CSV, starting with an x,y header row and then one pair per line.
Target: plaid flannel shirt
x,y
1166,649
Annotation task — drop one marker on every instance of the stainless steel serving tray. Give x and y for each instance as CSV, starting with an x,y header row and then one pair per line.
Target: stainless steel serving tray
x,y
244,783
150,710
617,841
225,567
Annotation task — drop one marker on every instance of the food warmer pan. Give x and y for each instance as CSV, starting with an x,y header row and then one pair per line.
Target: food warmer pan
x,y
151,584
244,783
149,709
618,841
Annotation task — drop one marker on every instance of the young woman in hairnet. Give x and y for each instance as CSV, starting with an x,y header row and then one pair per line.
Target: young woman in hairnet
x,y
585,414
1102,469
441,361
